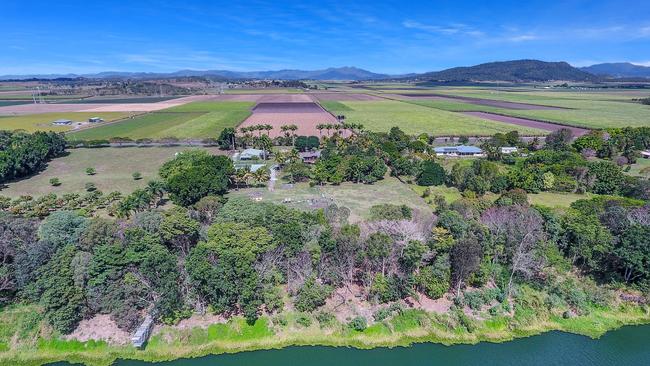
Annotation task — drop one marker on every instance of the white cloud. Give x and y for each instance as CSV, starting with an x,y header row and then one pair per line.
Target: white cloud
x,y
523,38
449,30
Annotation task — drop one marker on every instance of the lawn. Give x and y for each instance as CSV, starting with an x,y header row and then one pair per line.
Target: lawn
x,y
414,119
43,121
589,110
636,168
357,197
193,120
114,167
556,199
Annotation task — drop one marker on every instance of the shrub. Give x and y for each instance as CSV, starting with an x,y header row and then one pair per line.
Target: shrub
x,y
388,211
55,182
358,324
136,176
430,174
325,318
90,187
312,295
91,171
303,320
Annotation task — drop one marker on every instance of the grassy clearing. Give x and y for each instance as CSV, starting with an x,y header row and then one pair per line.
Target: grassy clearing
x,y
43,121
587,110
636,168
357,197
114,167
193,120
413,119
556,199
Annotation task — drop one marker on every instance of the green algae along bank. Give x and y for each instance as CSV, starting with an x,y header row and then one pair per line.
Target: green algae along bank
x,y
408,328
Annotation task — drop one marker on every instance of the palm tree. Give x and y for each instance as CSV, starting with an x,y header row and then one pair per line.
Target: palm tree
x,y
328,127
268,129
156,189
293,128
240,176
320,128
262,175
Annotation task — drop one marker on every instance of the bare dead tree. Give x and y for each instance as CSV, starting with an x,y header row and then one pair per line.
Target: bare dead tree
x,y
520,229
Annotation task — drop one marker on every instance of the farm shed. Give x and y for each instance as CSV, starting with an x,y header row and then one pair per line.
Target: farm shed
x,y
62,122
95,119
508,150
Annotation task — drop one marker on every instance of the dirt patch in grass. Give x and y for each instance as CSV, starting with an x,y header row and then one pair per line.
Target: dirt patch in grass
x,y
99,327
526,122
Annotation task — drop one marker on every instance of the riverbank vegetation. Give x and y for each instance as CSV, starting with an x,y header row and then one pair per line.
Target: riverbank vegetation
x,y
222,272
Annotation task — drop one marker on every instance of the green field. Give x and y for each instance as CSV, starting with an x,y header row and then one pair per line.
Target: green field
x,y
591,110
114,167
43,121
414,119
193,120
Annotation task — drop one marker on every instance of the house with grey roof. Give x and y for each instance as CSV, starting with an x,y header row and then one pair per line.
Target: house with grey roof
x,y
461,150
250,154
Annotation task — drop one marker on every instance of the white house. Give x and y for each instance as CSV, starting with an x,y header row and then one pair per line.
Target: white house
x,y
508,150
250,154
645,154
461,150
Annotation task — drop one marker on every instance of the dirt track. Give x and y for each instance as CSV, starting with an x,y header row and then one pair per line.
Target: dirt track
x,y
527,122
345,97
479,101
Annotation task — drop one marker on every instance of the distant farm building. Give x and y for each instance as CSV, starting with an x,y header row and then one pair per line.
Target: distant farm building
x,y
62,122
95,119
645,154
310,157
508,150
461,150
250,154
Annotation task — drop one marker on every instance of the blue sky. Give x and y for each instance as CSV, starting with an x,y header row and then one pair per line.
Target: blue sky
x,y
382,36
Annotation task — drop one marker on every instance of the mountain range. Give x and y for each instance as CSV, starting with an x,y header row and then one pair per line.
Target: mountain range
x,y
338,73
619,70
509,71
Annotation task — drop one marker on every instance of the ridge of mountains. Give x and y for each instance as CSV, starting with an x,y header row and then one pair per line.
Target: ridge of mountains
x,y
510,71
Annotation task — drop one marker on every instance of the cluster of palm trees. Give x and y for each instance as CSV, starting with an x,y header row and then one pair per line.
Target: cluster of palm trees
x,y
245,177
256,128
141,199
338,127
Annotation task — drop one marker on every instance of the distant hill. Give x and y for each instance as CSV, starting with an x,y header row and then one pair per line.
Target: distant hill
x,y
513,71
338,73
619,70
